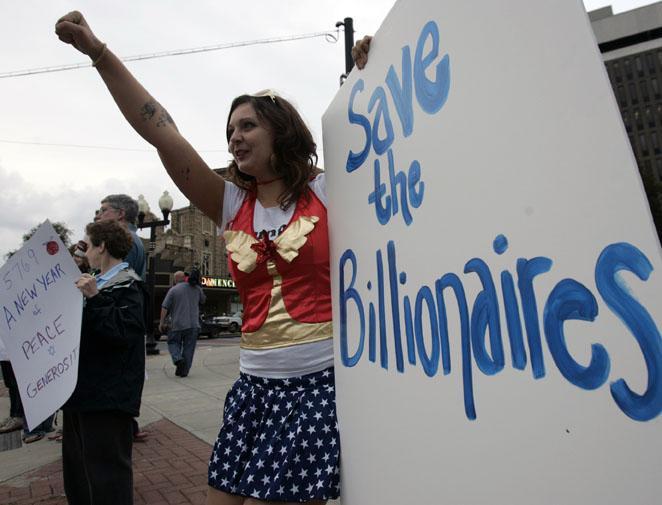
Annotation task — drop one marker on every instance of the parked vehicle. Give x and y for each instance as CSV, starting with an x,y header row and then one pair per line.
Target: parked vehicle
x,y
208,328
230,323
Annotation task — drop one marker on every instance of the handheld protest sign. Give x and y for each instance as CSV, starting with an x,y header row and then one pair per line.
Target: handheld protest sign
x,y
3,352
40,322
496,275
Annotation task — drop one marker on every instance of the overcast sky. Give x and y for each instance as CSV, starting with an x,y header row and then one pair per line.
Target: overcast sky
x,y
73,107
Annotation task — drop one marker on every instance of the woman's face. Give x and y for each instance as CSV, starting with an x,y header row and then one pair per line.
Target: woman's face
x,y
93,253
250,142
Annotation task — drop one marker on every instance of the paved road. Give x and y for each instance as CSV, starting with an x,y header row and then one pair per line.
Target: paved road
x,y
170,468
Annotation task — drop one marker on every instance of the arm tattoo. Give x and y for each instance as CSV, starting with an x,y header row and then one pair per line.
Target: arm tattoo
x,y
148,110
164,119
186,172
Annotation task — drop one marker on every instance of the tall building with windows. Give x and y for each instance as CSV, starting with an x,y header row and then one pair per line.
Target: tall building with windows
x,y
631,47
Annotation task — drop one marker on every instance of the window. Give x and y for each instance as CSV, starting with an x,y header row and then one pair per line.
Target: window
x,y
639,66
650,63
658,165
633,93
643,87
204,268
628,68
207,225
626,122
639,124
643,145
650,118
656,87
622,98
655,143
616,68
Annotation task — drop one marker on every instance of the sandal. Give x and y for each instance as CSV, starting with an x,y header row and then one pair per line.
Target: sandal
x,y
11,424
28,439
57,436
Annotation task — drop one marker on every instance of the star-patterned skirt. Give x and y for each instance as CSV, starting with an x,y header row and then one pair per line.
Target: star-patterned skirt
x,y
279,440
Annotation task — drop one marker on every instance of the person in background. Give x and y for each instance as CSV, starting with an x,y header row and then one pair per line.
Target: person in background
x,y
182,304
15,419
78,253
124,209
98,433
39,432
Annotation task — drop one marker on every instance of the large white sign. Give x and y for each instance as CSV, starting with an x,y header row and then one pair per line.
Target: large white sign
x,y
40,322
496,276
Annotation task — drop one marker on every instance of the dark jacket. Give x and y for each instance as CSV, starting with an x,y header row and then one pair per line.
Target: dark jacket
x,y
111,369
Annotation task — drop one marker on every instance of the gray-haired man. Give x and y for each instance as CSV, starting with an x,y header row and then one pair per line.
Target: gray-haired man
x,y
124,209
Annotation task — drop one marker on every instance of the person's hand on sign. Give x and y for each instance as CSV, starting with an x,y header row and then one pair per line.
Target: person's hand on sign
x,y
360,52
87,285
73,29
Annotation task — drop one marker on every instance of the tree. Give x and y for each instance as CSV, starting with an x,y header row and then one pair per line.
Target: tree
x,y
60,228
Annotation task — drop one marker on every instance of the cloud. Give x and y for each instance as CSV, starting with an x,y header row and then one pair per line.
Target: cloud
x,y
22,207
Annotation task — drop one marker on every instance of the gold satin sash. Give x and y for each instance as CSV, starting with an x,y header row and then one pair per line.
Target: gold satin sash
x,y
279,328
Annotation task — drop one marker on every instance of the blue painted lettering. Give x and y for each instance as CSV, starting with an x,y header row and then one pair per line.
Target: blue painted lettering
x,y
355,160
345,296
571,300
395,310
401,92
527,270
429,361
431,95
485,314
615,293
380,145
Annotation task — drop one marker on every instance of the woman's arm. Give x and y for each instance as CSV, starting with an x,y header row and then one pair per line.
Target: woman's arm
x,y
149,118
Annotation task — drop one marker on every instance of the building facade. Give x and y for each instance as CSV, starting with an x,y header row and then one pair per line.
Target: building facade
x,y
192,240
631,47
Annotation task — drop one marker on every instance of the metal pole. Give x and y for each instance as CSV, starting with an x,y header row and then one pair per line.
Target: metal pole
x,y
151,339
348,23
349,43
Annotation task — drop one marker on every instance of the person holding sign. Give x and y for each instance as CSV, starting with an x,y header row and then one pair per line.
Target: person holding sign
x,y
279,439
15,419
98,433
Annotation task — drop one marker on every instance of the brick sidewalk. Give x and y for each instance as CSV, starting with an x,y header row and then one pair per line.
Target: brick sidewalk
x,y
169,468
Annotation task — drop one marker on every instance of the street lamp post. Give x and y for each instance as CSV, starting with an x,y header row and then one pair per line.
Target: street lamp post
x,y
165,204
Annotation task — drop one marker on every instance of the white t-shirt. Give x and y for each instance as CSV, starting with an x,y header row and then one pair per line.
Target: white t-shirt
x,y
289,361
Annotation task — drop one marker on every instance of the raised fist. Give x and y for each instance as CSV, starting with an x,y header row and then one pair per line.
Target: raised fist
x,y
73,29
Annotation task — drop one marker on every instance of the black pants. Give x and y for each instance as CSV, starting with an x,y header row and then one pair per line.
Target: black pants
x,y
15,404
96,458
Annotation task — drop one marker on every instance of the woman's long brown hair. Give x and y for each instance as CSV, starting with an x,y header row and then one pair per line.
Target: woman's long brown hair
x,y
295,152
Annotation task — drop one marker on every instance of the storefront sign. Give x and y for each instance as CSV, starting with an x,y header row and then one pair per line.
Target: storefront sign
x,y
217,282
